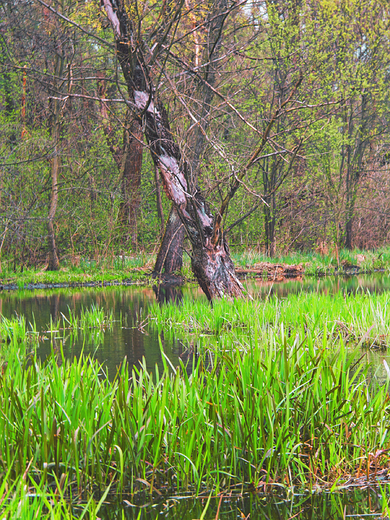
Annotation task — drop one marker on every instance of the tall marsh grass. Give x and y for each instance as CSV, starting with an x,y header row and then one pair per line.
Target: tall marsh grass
x,y
275,398
89,318
288,412
359,319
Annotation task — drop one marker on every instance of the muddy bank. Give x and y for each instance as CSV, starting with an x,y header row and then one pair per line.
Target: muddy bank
x,y
278,272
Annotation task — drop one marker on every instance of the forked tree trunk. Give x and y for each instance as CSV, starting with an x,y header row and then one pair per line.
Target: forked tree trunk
x,y
211,262
170,256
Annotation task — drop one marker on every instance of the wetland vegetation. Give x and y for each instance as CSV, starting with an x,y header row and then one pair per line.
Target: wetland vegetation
x,y
278,396
265,124
137,269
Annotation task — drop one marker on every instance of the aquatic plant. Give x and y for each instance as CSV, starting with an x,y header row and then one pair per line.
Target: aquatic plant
x,y
88,318
283,413
27,499
360,319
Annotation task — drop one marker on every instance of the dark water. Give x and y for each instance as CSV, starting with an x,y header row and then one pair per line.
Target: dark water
x,y
360,503
130,337
377,282
126,338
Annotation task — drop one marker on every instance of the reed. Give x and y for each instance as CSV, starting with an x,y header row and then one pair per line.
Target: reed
x,y
28,500
88,318
259,414
360,319
278,396
16,336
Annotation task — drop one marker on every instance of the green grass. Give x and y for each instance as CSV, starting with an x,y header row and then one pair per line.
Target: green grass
x,y
135,268
274,411
316,263
119,270
26,499
361,319
92,318
279,396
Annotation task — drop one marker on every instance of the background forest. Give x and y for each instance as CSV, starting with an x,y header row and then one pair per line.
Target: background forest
x,y
76,176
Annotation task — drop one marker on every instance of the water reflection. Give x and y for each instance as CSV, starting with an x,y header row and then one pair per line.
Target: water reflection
x,y
166,293
130,337
353,504
372,283
127,338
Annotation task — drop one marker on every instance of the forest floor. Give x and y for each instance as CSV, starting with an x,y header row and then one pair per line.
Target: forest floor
x,y
136,269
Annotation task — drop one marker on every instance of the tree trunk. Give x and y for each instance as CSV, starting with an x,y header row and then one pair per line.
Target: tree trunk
x,y
54,263
351,192
214,270
170,255
160,211
128,158
211,262
168,260
358,138
55,128
131,165
269,225
348,233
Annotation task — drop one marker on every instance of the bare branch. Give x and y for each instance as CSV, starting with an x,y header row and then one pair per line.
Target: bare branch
x,y
104,42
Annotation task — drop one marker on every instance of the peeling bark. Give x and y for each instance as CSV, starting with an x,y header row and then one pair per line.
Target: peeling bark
x,y
214,270
172,244
211,262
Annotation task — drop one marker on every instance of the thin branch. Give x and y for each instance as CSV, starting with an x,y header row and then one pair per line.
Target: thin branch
x,y
237,222
104,42
252,160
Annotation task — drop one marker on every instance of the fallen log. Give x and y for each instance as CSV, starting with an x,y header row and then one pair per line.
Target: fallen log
x,y
273,271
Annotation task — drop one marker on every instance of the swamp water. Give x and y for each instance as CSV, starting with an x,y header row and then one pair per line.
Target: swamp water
x,y
331,506
129,336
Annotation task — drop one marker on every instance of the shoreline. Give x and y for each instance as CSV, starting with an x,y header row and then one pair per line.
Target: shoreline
x,y
276,275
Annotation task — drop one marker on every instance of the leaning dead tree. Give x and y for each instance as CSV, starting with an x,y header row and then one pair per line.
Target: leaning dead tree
x,y
170,255
211,261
